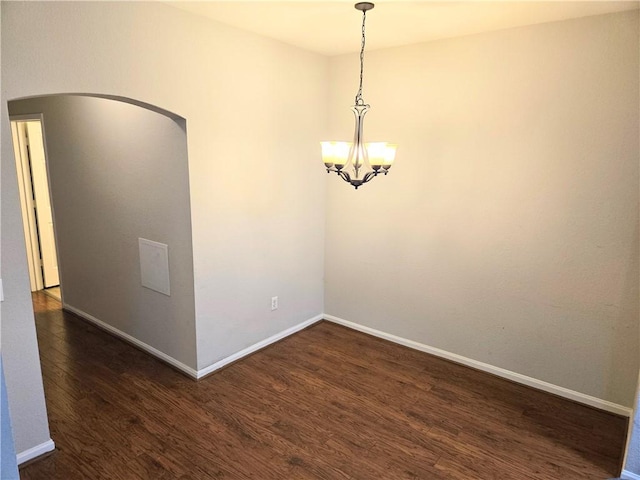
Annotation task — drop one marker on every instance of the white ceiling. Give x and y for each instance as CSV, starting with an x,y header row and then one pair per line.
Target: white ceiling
x,y
333,28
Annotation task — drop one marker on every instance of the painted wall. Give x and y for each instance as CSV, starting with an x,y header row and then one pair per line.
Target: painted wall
x,y
632,463
21,360
8,465
507,231
255,110
632,458
118,173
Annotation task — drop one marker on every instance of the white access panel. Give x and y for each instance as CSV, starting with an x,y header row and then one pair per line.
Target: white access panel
x,y
154,265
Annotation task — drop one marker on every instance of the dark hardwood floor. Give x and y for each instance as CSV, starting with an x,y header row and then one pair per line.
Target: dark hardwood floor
x,y
326,403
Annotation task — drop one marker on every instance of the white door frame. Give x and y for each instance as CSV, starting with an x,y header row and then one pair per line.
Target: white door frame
x,y
25,187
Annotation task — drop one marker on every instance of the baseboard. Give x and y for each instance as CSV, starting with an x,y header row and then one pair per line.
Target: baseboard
x,y
258,346
132,340
485,367
501,372
627,475
197,374
36,451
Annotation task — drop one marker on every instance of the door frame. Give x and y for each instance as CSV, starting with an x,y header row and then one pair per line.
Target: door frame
x,y
25,187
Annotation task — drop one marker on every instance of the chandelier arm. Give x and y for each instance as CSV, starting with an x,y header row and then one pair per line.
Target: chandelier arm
x,y
344,175
369,176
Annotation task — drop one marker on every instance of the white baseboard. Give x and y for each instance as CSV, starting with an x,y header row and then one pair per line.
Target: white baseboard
x,y
627,475
197,374
485,367
501,372
134,341
257,346
36,451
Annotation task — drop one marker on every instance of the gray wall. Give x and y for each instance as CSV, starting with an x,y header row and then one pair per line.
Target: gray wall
x,y
256,110
8,465
507,231
119,172
633,448
18,334
633,451
17,331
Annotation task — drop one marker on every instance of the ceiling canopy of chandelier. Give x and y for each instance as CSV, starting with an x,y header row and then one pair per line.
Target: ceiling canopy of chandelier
x,y
358,162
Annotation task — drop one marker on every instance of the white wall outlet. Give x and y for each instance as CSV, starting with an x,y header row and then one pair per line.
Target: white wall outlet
x,y
274,303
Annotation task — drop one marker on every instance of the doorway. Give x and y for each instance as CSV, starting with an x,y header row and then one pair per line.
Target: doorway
x,y
35,199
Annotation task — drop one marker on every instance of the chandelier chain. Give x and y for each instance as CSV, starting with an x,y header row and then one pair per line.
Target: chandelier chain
x,y
359,100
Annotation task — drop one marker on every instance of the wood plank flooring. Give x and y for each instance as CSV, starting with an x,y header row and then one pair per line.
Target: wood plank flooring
x,y
326,403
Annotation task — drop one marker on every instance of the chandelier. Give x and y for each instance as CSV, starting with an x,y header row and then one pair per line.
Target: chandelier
x,y
358,162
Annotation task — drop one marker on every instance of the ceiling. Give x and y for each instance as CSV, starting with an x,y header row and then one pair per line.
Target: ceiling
x,y
333,28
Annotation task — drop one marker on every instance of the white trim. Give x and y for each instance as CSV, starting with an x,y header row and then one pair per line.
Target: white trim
x,y
627,475
134,341
26,117
36,451
257,346
485,367
25,187
181,366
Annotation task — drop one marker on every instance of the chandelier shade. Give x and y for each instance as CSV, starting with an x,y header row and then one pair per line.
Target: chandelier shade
x,y
359,162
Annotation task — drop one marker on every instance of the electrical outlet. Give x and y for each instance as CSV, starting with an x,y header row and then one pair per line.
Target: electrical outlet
x,y
274,303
